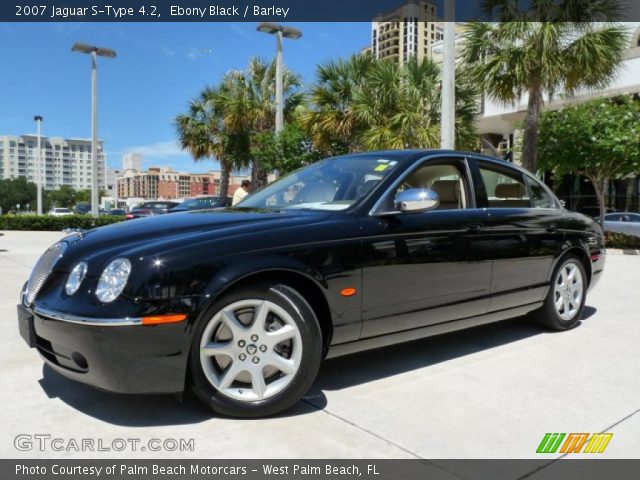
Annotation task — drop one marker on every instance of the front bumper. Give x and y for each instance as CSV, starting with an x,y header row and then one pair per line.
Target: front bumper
x,y
122,358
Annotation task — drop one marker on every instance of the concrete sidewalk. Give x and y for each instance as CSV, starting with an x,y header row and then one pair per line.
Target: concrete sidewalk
x,y
490,392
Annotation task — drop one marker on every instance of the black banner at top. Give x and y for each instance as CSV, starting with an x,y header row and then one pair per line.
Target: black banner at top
x,y
313,11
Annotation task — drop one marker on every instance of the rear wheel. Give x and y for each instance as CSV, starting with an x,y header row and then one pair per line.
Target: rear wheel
x,y
565,301
257,353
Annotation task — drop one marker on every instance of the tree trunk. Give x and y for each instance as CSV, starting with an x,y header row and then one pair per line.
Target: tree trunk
x,y
225,170
599,187
530,140
258,175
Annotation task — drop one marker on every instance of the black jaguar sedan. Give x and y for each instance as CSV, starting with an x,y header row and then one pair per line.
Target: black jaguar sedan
x,y
350,253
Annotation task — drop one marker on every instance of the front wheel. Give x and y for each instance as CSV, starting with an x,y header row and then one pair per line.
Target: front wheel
x,y
257,353
565,301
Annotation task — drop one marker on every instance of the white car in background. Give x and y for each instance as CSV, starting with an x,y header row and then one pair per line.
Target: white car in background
x,y
623,222
60,212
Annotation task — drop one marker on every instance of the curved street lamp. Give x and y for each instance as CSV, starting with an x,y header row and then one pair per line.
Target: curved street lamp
x,y
94,52
281,32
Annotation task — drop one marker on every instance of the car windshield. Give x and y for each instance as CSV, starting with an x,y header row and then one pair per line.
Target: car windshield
x,y
200,202
333,184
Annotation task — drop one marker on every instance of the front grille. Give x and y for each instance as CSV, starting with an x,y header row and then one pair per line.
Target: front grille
x,y
41,271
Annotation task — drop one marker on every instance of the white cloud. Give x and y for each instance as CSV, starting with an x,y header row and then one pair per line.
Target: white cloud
x,y
163,154
159,150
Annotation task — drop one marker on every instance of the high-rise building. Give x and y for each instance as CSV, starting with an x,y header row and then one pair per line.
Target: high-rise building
x,y
65,161
132,161
406,32
111,182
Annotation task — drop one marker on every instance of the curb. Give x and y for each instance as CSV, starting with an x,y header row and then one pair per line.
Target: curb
x,y
622,251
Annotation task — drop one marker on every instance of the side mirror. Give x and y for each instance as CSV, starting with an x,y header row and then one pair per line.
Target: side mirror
x,y
416,200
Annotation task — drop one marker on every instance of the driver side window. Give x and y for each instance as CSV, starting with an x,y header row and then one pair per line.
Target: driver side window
x,y
445,179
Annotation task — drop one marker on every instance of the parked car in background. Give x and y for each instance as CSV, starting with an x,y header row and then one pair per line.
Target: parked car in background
x,y
593,211
623,222
60,212
242,304
202,203
82,208
148,209
116,211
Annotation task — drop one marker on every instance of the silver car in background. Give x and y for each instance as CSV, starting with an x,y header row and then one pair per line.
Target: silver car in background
x,y
623,222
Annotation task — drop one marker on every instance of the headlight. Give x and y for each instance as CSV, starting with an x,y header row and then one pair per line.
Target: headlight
x,y
75,278
113,279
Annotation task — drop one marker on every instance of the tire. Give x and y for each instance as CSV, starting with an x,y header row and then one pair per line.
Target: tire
x,y
246,366
565,301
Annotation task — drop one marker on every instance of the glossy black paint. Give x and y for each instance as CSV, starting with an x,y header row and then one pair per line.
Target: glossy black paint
x,y
416,274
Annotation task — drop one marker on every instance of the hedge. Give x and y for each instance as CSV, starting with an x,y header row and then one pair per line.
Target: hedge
x,y
621,240
51,223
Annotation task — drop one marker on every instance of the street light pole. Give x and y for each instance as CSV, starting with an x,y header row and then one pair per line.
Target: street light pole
x,y
38,120
448,119
94,135
279,81
281,32
94,52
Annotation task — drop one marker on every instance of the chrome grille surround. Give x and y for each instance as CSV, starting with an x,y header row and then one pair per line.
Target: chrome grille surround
x,y
41,271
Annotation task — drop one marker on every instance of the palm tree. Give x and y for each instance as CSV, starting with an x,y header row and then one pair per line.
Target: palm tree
x,y
202,132
332,122
400,107
566,52
248,104
368,104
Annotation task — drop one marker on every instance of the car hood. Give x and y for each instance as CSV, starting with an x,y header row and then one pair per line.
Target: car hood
x,y
157,234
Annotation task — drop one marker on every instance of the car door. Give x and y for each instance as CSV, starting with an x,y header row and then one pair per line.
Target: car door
x,y
526,227
425,268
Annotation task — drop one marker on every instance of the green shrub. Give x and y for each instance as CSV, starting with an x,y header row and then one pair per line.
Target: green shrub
x,y
621,240
51,223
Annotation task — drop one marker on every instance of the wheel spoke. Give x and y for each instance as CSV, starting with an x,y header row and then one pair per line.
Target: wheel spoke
x,y
230,375
257,382
284,333
216,348
233,324
285,365
572,273
260,317
567,306
564,277
559,301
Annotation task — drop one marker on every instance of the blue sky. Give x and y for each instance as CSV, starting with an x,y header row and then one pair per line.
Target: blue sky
x,y
159,67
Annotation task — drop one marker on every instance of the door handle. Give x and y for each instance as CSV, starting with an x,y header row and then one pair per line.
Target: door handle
x,y
552,228
474,228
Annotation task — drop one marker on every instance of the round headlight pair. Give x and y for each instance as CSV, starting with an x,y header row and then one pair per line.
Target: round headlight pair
x,y
112,281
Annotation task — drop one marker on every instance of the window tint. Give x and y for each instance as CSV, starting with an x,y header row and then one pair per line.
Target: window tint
x,y
539,196
613,217
505,188
445,179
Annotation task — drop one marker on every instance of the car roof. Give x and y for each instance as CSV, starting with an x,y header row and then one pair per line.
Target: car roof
x,y
412,154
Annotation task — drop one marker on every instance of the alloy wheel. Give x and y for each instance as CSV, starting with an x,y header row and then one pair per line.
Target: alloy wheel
x,y
251,350
568,291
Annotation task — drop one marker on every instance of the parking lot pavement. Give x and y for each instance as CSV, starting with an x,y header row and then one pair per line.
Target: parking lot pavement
x,y
489,392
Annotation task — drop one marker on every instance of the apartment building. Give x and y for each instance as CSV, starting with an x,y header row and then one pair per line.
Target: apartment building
x,y
166,184
65,161
406,32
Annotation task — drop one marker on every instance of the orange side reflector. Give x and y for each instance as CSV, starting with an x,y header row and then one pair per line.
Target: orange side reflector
x,y
348,292
156,320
